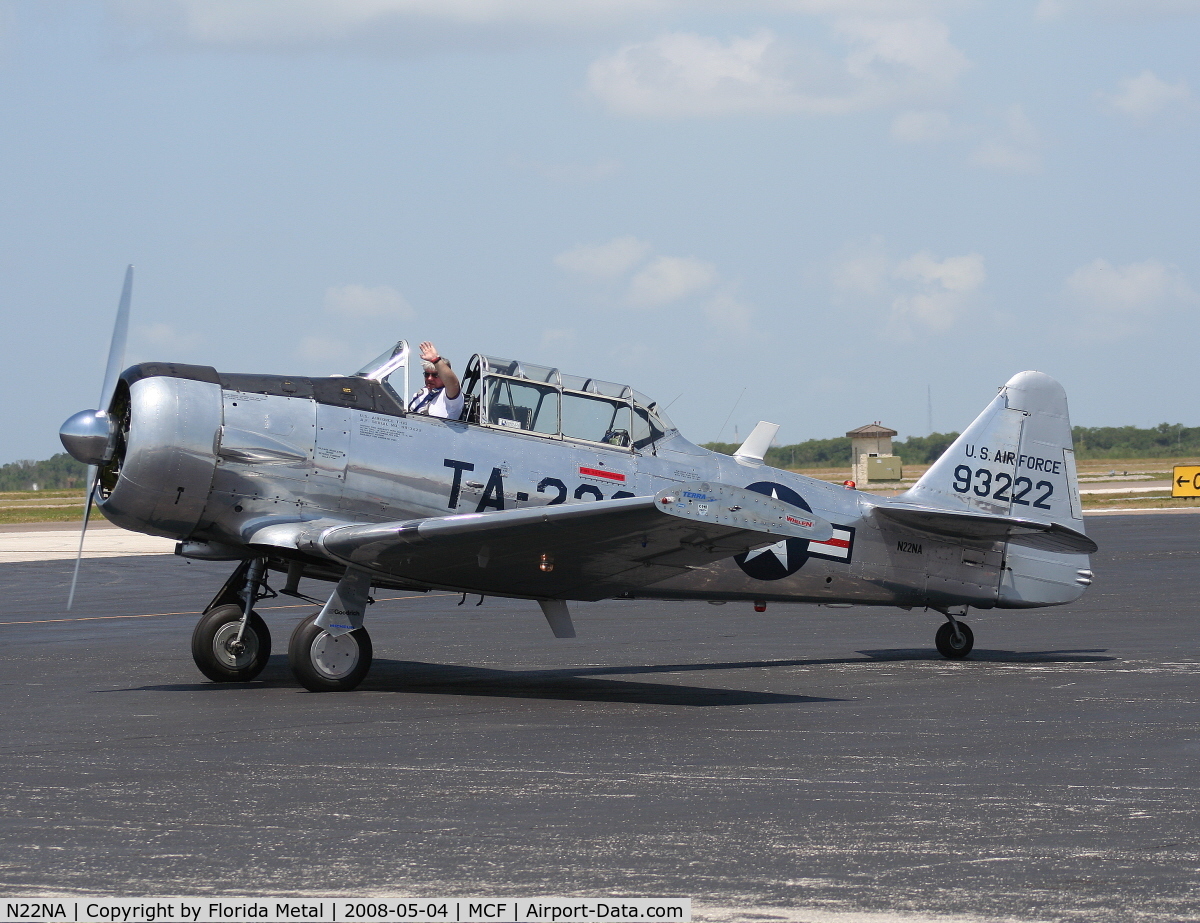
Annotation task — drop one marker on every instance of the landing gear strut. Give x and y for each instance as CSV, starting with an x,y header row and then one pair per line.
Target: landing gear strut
x,y
231,642
954,640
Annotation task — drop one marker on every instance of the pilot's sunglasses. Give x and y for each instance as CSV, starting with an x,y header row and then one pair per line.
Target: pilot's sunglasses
x,y
431,374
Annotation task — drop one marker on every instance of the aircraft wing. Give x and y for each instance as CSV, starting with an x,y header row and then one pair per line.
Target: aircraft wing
x,y
972,526
570,551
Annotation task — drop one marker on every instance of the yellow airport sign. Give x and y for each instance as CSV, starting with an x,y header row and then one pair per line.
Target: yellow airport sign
x,y
1185,481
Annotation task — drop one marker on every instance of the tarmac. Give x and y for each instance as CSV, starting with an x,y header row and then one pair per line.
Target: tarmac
x,y
804,764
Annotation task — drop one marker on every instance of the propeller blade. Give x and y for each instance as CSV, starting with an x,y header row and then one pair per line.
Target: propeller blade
x,y
112,372
93,479
116,349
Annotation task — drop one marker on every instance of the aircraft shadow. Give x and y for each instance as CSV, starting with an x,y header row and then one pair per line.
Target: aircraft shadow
x,y
989,656
578,685
592,684
585,685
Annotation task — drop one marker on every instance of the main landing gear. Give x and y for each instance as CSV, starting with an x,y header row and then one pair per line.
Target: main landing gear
x,y
329,663
954,640
227,649
232,644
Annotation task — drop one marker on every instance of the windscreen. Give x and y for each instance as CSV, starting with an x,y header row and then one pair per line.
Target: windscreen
x,y
596,419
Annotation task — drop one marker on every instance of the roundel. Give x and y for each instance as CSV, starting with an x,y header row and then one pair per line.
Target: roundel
x,y
783,558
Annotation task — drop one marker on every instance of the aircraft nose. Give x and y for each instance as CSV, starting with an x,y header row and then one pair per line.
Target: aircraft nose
x,y
86,435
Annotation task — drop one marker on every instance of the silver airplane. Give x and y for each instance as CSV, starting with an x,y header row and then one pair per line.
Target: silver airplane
x,y
552,487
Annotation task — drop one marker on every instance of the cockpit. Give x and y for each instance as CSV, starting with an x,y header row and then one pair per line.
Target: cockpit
x,y
538,400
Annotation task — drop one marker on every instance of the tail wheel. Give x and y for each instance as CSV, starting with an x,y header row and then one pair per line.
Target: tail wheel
x,y
329,663
954,645
218,652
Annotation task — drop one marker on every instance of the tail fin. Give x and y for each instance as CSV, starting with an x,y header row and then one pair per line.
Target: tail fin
x,y
1011,477
1016,460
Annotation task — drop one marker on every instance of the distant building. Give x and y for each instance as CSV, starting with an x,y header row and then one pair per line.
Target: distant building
x,y
871,457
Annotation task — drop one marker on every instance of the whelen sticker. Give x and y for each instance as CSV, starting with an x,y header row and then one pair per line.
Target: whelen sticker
x,y
607,475
837,548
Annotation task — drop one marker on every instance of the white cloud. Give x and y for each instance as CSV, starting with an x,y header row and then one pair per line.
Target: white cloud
x,y
941,292
661,280
283,23
361,301
915,50
1012,146
1116,301
682,74
670,278
865,273
1146,95
604,261
1056,9
729,314
300,22
919,293
1015,148
920,126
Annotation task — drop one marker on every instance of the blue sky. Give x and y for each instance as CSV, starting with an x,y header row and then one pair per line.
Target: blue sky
x,y
817,209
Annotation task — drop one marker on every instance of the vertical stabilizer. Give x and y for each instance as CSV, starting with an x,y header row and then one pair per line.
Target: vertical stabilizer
x,y
754,449
1017,459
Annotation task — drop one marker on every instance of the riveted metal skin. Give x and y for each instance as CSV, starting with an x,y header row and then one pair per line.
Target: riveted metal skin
x,y
333,472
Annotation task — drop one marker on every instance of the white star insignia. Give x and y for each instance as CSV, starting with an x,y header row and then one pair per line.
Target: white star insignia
x,y
779,549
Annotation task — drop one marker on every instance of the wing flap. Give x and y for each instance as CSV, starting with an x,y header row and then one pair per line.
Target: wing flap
x,y
581,551
1046,536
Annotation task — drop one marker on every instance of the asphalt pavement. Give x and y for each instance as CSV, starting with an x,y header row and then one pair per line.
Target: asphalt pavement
x,y
800,764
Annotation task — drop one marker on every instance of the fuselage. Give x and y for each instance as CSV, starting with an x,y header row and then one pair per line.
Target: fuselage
x,y
211,458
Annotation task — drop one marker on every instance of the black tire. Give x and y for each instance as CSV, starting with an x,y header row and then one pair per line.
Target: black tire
x,y
951,647
325,663
213,645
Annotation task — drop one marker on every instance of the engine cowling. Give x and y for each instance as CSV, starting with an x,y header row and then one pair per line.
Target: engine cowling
x,y
162,462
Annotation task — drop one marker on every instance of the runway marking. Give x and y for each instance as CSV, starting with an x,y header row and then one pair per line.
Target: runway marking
x,y
154,615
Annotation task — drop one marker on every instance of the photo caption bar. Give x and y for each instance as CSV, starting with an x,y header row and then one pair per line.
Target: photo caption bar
x,y
344,910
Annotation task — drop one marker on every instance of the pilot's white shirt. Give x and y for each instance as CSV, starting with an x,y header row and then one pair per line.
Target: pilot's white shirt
x,y
439,406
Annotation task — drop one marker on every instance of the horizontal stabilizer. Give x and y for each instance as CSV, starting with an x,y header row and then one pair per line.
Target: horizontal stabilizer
x,y
961,524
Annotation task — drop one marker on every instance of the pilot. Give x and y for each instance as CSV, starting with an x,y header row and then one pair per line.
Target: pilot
x,y
442,395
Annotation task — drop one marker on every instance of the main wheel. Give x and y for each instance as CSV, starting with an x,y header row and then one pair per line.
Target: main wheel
x,y
955,648
219,654
327,663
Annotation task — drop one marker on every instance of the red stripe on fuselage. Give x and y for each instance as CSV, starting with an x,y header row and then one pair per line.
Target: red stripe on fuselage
x,y
597,473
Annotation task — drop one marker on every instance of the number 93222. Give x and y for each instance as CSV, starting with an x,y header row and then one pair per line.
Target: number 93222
x,y
1002,487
